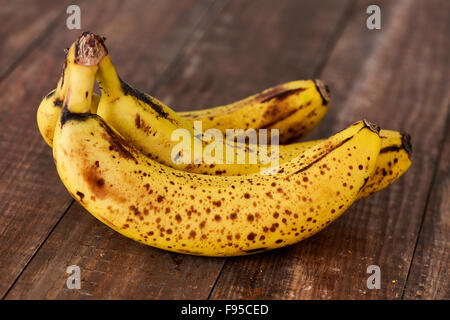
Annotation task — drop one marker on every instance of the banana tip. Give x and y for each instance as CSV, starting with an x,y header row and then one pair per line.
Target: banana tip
x,y
406,143
324,91
372,126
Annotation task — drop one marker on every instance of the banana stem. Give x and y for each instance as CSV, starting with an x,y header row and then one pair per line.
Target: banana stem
x,y
108,79
88,51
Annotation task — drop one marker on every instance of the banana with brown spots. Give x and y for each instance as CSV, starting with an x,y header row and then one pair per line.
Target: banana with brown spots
x,y
199,214
393,161
294,108
149,124
210,215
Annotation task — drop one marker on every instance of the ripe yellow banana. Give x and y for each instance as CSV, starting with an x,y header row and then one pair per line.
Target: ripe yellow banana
x,y
294,108
393,161
206,215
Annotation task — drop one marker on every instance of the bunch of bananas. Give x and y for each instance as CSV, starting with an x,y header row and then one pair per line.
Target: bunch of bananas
x,y
114,155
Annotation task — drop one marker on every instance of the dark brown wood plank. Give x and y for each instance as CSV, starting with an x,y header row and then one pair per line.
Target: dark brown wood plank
x,y
33,198
130,270
252,46
112,266
23,24
429,277
401,82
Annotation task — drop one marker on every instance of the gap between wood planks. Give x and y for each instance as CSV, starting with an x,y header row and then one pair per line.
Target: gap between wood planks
x,y
345,18
419,213
36,40
335,36
46,33
37,250
427,203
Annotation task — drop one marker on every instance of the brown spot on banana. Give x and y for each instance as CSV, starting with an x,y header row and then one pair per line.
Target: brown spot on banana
x,y
58,103
327,151
272,124
279,93
141,125
130,91
81,195
95,182
406,145
116,144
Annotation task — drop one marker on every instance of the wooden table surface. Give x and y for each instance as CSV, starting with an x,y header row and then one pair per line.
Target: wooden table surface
x,y
209,52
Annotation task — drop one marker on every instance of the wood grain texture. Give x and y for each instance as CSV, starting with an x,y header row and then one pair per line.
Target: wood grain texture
x,y
33,198
400,82
115,267
253,45
24,23
429,277
112,266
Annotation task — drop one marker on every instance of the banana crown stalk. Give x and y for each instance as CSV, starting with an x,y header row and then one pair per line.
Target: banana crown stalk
x,y
49,109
